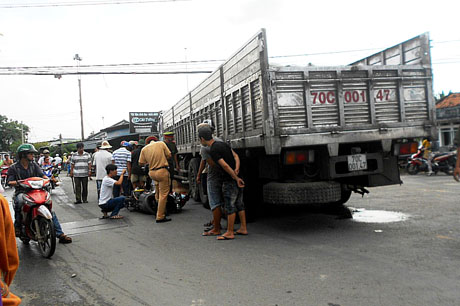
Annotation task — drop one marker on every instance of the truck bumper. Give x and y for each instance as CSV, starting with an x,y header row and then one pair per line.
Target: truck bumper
x,y
381,171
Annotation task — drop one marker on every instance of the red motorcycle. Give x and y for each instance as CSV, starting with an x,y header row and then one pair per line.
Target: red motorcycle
x,y
37,223
4,176
444,162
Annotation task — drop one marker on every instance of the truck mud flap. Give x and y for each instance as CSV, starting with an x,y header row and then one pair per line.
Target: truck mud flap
x,y
302,193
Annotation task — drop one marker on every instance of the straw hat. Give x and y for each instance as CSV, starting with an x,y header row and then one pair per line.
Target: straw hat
x,y
105,145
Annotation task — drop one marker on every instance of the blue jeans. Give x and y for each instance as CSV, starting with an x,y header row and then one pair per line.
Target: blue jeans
x,y
57,225
114,205
214,187
232,196
98,186
126,187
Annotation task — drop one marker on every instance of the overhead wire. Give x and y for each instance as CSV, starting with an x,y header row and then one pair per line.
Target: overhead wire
x,y
161,68
81,3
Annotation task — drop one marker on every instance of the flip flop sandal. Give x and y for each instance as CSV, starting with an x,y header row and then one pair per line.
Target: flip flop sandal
x,y
224,238
240,234
116,217
104,217
65,239
208,233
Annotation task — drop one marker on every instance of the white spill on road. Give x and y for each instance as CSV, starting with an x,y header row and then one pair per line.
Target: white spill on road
x,y
377,216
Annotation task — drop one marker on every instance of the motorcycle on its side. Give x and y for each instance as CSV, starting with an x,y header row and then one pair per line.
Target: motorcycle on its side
x,y
37,223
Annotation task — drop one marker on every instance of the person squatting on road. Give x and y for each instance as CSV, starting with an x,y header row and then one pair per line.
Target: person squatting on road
x,y
9,259
26,167
107,202
80,171
122,159
102,158
230,185
156,155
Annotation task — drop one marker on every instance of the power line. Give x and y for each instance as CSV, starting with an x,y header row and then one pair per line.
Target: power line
x,y
106,72
118,65
200,66
81,3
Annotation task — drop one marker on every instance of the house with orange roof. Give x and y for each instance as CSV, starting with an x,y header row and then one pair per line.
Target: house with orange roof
x,y
448,119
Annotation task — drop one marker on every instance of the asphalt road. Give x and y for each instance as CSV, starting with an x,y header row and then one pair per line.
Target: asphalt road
x,y
290,257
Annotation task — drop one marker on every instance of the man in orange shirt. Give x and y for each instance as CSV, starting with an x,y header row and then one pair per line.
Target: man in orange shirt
x,y
9,259
156,155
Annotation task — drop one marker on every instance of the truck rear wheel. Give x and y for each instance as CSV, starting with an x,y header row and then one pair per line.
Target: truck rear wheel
x,y
193,166
302,193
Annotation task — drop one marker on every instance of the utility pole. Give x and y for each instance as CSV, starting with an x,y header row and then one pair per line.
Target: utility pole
x,y
60,144
22,133
78,59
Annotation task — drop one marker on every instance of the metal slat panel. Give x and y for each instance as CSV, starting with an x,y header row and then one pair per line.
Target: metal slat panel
x,y
355,97
238,111
256,96
415,101
230,125
413,51
291,101
247,107
324,108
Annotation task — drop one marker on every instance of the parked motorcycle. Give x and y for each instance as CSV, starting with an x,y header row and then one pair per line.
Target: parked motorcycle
x,y
4,174
37,221
444,162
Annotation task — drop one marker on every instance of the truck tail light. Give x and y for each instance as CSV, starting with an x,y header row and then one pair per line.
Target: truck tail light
x,y
299,157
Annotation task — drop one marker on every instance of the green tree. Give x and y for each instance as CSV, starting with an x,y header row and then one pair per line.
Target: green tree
x,y
439,97
10,131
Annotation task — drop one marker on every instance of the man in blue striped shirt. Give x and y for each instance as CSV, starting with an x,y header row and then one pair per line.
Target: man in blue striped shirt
x,y
122,159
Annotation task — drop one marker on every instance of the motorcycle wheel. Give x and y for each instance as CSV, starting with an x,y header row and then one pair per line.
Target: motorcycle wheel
x,y
412,169
48,245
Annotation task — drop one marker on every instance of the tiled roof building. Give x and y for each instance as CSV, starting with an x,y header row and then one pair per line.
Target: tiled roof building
x,y
448,119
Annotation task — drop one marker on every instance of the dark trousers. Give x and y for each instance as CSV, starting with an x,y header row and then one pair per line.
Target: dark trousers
x,y
126,185
81,188
113,205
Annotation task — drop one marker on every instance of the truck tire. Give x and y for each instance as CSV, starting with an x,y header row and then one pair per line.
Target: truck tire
x,y
203,194
302,193
344,197
193,167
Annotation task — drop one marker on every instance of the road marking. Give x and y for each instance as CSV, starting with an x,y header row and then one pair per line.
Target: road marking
x,y
92,225
444,237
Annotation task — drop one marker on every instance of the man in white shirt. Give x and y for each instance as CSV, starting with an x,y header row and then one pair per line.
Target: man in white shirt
x,y
107,202
57,159
101,159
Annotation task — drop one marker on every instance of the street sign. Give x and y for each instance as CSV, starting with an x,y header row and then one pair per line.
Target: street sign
x,y
143,122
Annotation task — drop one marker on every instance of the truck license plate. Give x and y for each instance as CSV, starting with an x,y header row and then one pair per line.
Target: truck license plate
x,y
357,162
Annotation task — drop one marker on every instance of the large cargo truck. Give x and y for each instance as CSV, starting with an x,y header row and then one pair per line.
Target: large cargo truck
x,y
309,134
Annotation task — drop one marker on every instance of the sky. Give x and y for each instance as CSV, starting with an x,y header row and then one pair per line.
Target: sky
x,y
192,30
